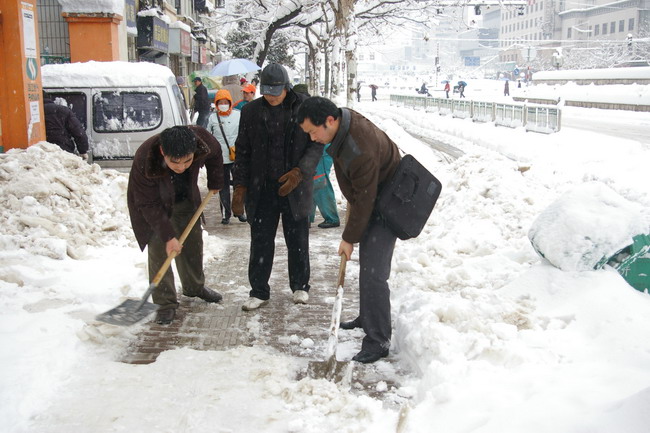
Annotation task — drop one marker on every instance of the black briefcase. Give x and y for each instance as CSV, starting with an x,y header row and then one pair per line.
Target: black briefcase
x,y
406,201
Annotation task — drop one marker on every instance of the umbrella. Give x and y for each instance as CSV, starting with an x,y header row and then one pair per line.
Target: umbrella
x,y
234,67
444,81
462,83
374,86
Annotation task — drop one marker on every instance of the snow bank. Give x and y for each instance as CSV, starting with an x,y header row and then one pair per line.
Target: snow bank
x,y
55,204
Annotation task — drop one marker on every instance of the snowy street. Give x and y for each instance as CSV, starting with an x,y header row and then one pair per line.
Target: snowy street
x,y
487,336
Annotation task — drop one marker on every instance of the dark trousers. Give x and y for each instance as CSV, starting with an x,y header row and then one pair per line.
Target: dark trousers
x,y
224,194
202,120
264,227
189,262
375,255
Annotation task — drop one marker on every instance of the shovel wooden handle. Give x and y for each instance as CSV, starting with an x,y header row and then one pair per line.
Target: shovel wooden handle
x,y
341,278
184,236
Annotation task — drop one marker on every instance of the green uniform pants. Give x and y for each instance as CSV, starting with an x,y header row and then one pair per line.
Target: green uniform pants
x,y
189,262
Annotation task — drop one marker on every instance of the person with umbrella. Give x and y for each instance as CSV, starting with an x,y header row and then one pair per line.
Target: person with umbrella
x,y
461,88
373,92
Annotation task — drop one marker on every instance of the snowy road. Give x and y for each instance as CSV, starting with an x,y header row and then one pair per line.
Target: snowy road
x,y
634,126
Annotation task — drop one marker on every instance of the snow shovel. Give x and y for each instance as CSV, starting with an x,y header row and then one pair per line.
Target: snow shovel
x,y
331,369
132,310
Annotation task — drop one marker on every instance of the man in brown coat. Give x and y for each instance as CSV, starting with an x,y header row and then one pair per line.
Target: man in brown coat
x,y
364,158
162,196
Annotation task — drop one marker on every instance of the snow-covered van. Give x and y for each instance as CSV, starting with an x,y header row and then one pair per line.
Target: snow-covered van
x,y
120,104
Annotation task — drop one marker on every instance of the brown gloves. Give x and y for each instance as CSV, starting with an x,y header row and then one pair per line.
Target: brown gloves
x,y
238,200
290,180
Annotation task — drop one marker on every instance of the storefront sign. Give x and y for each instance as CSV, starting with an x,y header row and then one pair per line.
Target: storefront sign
x,y
153,33
130,17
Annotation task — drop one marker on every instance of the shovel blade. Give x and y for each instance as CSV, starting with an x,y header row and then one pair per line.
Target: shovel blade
x,y
127,313
331,369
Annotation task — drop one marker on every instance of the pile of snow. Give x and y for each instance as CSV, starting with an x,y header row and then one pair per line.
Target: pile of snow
x,y
56,204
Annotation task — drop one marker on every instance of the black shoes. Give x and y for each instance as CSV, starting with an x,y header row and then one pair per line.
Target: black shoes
x,y
165,317
356,323
209,295
366,357
328,225
242,218
225,221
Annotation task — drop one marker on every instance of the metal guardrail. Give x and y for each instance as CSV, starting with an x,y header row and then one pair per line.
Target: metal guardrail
x,y
533,117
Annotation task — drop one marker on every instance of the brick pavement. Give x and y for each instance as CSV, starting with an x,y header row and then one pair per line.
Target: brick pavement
x,y
202,326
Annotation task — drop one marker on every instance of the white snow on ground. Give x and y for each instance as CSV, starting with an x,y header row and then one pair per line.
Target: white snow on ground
x,y
495,339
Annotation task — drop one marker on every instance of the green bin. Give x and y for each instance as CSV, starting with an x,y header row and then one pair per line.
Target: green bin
x,y
633,263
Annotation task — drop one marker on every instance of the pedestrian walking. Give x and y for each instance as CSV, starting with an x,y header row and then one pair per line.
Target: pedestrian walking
x,y
373,92
506,89
447,89
162,196
201,102
273,177
365,158
359,91
324,198
461,89
224,125
63,128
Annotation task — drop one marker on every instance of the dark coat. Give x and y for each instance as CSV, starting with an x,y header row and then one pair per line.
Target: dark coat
x,y
251,161
150,193
201,100
364,158
61,126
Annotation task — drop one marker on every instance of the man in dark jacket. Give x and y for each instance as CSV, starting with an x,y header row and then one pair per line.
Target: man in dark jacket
x,y
364,158
63,128
201,102
162,196
273,174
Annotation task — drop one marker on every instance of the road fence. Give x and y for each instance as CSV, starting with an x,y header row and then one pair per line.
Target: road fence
x,y
533,117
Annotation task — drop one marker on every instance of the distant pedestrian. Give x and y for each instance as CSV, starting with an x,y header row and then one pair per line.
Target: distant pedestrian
x,y
63,128
461,90
224,125
201,102
506,89
519,84
447,89
359,92
373,92
248,93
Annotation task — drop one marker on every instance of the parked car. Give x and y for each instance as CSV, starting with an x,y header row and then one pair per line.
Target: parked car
x,y
120,104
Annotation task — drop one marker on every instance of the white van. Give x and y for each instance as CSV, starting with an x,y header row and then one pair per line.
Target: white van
x,y
120,104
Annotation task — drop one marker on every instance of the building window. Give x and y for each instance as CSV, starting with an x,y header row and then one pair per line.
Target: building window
x,y
630,25
604,28
612,27
596,29
568,33
372,56
621,26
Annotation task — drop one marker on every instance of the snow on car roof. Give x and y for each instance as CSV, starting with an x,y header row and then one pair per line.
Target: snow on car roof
x,y
110,74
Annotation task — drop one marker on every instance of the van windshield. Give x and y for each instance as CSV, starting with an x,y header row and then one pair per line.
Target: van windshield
x,y
126,111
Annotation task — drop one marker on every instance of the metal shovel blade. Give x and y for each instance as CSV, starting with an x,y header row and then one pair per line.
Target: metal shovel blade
x,y
127,313
331,370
